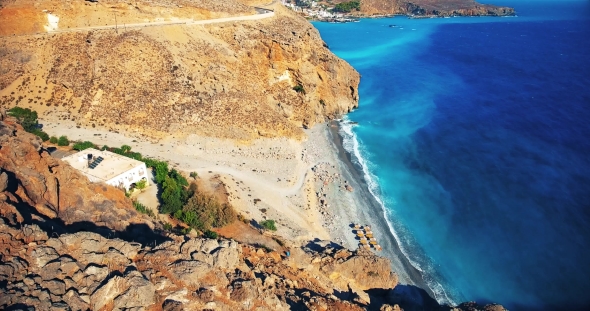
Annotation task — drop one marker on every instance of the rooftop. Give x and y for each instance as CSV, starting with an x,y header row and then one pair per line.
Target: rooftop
x,y
110,166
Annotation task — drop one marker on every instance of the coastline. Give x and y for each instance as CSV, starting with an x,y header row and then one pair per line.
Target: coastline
x,y
372,213
300,184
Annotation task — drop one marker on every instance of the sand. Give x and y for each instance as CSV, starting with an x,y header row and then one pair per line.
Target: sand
x,y
310,188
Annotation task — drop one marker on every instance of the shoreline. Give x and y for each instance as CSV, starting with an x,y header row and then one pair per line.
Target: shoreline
x,y
300,184
374,213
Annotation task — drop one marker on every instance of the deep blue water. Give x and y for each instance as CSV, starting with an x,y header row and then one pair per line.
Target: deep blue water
x,y
477,134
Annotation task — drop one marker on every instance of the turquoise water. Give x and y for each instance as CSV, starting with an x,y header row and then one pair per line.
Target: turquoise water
x,y
473,133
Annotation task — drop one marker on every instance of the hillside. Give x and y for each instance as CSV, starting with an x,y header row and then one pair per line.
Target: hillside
x,y
83,247
426,8
231,79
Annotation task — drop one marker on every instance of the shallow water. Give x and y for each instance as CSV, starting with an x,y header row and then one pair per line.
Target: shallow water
x,y
474,131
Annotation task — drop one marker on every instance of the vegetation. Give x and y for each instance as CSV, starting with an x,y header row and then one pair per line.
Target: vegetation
x,y
143,209
194,175
83,145
167,227
346,7
53,140
299,89
203,211
63,141
142,184
179,199
28,120
269,225
211,234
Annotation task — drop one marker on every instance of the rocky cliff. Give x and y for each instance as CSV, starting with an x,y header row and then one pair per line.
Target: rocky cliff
x,y
440,8
67,244
240,80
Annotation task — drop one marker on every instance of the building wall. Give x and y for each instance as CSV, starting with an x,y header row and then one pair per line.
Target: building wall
x,y
129,177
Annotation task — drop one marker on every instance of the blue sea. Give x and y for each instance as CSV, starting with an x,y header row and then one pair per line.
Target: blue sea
x,y
474,133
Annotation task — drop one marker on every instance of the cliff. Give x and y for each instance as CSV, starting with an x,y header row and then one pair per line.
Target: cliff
x,y
440,8
67,244
92,63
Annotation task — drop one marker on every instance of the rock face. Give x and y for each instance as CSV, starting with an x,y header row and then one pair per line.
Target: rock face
x,y
439,8
233,80
90,270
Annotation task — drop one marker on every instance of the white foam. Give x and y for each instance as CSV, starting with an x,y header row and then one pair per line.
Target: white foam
x,y
351,144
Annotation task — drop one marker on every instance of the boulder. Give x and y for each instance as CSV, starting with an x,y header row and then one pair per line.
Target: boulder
x,y
189,271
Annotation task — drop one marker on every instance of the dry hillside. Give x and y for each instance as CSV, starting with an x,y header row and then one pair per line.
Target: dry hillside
x,y
232,79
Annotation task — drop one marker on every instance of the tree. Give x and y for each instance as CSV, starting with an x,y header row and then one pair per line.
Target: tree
x,y
126,148
53,140
63,141
299,89
26,117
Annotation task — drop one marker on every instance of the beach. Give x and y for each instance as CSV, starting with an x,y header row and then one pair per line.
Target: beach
x,y
310,188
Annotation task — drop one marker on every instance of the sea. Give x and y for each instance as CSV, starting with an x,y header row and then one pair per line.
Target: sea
x,y
474,135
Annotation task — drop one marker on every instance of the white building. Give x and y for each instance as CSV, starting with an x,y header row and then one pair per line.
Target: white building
x,y
111,168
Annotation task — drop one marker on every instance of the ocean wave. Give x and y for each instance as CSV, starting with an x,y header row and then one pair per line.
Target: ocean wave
x,y
351,144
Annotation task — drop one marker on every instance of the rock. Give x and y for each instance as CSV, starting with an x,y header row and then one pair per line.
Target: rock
x,y
3,181
209,245
43,255
189,271
107,293
139,293
56,287
74,301
226,258
172,305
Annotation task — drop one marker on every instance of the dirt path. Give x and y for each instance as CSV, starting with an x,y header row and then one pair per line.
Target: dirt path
x,y
258,16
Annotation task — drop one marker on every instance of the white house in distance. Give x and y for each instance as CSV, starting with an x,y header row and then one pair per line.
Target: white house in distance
x,y
111,168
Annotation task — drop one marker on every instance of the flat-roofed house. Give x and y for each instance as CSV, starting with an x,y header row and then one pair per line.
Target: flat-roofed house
x,y
111,168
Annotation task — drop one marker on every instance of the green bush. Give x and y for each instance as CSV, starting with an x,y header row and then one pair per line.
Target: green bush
x,y
63,141
26,117
167,227
269,225
83,145
211,234
142,184
53,140
44,136
203,211
194,175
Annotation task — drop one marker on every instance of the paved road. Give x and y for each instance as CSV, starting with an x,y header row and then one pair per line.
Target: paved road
x,y
260,14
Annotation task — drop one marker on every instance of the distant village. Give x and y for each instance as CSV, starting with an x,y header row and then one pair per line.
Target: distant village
x,y
324,10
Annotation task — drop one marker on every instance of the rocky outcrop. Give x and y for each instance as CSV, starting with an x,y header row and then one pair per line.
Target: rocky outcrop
x,y
239,80
425,8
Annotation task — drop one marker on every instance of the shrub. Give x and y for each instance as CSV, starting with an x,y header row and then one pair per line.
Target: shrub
x,y
203,211
44,136
83,145
53,140
26,117
211,234
194,175
142,184
167,227
269,225
299,89
143,209
63,141
126,148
